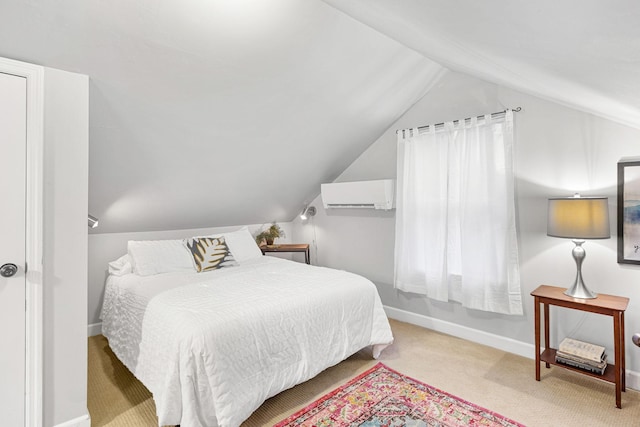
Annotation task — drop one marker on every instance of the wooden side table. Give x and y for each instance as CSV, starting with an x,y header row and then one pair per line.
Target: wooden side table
x,y
289,248
608,305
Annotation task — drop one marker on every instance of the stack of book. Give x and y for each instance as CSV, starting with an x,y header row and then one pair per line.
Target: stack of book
x,y
582,355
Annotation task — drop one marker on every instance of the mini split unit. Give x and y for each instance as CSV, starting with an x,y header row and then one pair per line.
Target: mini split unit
x,y
377,194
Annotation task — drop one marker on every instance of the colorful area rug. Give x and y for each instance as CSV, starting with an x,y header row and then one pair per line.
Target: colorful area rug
x,y
383,397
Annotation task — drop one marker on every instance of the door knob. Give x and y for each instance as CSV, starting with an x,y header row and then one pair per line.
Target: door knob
x,y
8,270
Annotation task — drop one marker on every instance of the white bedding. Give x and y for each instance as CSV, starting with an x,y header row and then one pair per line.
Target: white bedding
x,y
212,347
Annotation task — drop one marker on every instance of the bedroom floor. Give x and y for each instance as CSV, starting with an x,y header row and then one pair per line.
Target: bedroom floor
x,y
499,381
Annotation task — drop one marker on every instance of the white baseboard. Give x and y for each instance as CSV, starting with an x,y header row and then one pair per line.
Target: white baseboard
x,y
481,337
633,380
83,421
94,329
496,341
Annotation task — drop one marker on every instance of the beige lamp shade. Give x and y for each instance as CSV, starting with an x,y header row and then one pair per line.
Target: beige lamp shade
x,y
578,218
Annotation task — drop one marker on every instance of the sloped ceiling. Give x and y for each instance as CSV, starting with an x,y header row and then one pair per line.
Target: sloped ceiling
x,y
581,53
217,112
220,112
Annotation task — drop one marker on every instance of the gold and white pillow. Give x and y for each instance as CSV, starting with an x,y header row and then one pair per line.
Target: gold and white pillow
x,y
209,253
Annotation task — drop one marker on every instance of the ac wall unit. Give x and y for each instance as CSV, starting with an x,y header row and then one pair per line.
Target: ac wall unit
x,y
378,194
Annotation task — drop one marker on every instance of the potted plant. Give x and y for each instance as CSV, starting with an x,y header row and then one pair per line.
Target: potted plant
x,y
270,234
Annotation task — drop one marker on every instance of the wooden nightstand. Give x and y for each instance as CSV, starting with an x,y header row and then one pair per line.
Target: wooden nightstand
x,y
609,305
287,247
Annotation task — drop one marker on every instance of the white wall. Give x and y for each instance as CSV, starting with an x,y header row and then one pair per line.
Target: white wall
x,y
66,130
558,151
107,247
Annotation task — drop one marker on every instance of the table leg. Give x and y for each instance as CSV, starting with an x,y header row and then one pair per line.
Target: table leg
x,y
307,257
537,336
547,345
623,368
618,358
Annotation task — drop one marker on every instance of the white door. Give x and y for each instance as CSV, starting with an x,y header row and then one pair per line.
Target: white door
x,y
13,122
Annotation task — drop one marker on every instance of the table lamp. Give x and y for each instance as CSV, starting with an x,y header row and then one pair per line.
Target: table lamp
x,y
578,218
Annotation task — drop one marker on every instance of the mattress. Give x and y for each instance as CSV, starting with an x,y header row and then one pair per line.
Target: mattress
x,y
212,347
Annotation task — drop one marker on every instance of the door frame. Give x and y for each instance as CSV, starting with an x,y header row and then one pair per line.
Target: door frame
x,y
34,75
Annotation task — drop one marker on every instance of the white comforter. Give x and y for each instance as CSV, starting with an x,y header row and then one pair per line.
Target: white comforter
x,y
212,347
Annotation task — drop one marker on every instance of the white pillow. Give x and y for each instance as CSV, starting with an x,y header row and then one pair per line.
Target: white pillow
x,y
159,256
242,245
121,266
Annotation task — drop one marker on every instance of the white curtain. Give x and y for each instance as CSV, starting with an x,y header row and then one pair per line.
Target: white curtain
x,y
455,214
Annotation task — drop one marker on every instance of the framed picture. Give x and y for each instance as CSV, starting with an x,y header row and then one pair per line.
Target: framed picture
x,y
629,212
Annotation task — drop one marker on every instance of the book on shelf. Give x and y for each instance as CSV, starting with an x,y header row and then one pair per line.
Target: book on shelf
x,y
585,350
591,367
582,360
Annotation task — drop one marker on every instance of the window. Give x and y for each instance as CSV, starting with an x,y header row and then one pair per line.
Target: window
x,y
455,219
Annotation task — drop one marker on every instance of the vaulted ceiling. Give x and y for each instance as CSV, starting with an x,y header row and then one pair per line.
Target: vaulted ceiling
x,y
581,53
221,112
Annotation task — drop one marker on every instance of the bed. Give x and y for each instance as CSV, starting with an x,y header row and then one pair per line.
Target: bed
x,y
212,346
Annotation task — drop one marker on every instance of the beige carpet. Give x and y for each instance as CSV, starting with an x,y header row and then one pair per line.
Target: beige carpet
x,y
490,378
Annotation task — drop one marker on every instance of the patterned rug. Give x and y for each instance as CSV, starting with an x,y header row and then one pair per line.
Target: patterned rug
x,y
382,397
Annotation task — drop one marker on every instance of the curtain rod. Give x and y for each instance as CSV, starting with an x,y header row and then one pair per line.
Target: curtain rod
x,y
515,110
